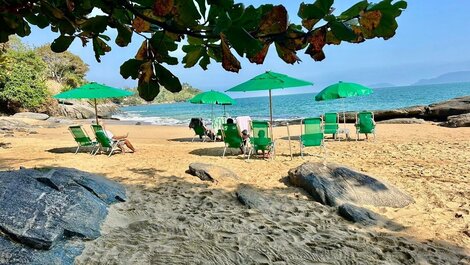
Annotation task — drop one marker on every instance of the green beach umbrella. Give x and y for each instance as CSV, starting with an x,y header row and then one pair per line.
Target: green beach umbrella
x,y
214,98
343,90
93,91
269,81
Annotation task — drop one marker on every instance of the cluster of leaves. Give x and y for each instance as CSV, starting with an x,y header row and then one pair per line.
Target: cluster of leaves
x,y
66,68
212,30
22,81
164,96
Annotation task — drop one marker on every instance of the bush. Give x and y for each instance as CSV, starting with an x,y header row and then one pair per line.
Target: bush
x,y
22,81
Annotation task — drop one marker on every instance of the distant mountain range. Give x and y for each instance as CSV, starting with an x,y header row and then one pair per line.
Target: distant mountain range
x,y
452,77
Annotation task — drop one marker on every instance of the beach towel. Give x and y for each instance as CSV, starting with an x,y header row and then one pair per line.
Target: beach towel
x,y
217,124
244,123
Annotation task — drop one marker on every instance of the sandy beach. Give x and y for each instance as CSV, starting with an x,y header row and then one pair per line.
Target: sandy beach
x,y
172,217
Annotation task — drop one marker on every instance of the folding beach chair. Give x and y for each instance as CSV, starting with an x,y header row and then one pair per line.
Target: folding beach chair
x,y
331,124
96,127
199,129
365,123
105,142
82,138
311,134
217,126
260,140
232,138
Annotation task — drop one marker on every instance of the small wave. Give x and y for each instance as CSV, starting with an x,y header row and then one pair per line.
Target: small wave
x,y
152,120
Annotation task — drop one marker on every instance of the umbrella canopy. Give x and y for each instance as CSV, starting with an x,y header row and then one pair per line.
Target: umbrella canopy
x,y
212,97
269,81
343,90
93,91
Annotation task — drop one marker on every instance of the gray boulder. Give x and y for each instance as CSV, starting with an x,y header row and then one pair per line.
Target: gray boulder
x,y
253,198
64,252
211,173
334,185
84,110
403,121
441,110
462,120
31,115
357,214
40,211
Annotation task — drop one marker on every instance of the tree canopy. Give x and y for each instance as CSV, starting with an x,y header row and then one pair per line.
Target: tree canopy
x,y
212,30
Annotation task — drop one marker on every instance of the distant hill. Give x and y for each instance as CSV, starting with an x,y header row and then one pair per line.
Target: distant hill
x,y
381,85
452,77
164,96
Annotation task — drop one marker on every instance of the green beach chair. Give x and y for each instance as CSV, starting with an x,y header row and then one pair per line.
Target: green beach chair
x,y
311,134
260,140
331,124
96,127
104,142
199,129
82,138
365,123
231,136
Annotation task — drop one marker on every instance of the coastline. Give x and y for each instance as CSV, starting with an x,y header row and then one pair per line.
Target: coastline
x,y
171,215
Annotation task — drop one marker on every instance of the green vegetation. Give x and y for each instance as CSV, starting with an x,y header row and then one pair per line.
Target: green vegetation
x,y
164,96
24,72
212,30
22,81
65,68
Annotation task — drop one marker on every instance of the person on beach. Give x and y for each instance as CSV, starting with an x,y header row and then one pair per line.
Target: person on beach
x,y
122,138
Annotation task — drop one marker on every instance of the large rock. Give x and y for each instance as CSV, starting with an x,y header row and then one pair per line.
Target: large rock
x,y
84,110
64,252
31,115
441,110
334,185
211,173
39,210
409,112
357,214
462,120
253,198
403,121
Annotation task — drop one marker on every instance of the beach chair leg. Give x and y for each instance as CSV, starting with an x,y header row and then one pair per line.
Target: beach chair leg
x,y
76,151
225,149
193,138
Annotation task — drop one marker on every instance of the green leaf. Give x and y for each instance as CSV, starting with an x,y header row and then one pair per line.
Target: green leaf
x,y
97,24
40,20
66,27
187,14
100,48
124,36
169,81
62,43
23,28
193,54
342,32
215,52
195,41
145,3
243,42
104,37
222,23
131,68
224,4
205,61
317,10
354,10
149,90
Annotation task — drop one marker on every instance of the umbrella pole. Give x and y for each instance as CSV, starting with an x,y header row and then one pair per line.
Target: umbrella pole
x,y
271,113
96,113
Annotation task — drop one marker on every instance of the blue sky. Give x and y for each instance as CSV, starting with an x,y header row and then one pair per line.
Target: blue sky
x,y
433,38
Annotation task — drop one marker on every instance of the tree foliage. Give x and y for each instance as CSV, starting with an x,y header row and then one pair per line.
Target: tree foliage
x,y
164,96
213,30
65,68
22,81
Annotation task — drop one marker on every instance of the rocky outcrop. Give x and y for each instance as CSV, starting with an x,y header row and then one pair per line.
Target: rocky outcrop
x,y
44,210
462,120
334,185
31,115
403,121
253,198
440,111
357,214
84,110
211,173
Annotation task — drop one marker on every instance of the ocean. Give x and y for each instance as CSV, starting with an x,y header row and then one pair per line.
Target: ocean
x,y
296,106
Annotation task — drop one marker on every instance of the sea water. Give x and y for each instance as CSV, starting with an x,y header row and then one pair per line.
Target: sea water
x,y
296,106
